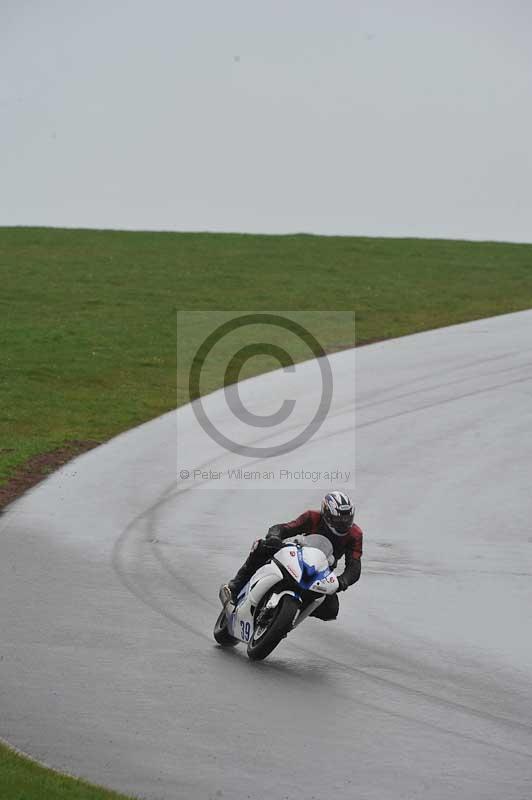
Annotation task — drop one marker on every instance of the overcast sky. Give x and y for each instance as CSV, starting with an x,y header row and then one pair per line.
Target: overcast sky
x,y
409,118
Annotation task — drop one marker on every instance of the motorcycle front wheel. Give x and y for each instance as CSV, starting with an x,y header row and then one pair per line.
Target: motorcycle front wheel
x,y
266,638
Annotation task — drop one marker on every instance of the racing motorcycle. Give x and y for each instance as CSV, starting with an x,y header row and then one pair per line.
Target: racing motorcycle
x,y
279,596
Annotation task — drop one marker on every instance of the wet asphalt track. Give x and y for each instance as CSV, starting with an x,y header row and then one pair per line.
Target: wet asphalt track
x,y
109,572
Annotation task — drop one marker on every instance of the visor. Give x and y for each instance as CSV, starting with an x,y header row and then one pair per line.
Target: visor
x,y
342,525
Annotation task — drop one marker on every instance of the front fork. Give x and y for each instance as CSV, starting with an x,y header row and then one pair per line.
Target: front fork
x,y
308,611
274,600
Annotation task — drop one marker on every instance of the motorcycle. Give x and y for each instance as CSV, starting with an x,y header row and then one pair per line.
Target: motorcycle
x,y
279,596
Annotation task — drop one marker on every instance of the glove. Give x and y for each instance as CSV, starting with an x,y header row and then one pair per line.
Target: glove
x,y
342,584
272,543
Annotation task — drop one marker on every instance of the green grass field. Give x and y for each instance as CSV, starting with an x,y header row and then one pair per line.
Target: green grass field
x,y
88,318
21,779
88,332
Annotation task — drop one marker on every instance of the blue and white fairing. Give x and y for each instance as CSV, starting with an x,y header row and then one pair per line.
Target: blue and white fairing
x,y
308,560
309,566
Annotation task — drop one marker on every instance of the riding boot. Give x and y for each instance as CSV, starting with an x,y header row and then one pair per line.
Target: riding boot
x,y
250,565
259,555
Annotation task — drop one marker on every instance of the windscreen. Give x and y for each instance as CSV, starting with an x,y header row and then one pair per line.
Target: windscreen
x,y
318,541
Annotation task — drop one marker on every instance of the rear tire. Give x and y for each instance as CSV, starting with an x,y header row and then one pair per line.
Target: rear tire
x,y
277,629
221,633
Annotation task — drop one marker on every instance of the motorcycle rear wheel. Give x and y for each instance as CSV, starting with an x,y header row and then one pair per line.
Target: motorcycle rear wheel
x,y
221,633
279,626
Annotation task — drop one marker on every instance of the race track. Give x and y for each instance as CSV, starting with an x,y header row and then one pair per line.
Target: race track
x,y
423,688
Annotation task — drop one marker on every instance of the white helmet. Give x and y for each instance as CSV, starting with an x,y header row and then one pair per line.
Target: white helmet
x,y
338,512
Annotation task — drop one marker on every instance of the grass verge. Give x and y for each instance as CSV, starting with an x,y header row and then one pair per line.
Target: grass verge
x,y
23,779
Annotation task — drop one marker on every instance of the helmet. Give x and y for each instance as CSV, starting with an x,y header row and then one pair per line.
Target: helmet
x,y
338,511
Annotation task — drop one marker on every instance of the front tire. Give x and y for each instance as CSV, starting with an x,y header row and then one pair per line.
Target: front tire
x,y
221,633
282,622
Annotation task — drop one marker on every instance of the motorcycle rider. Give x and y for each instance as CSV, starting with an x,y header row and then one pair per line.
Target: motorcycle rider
x,y
335,522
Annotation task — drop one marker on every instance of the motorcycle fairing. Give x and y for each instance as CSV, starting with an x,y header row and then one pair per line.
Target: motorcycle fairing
x,y
240,620
308,566
310,569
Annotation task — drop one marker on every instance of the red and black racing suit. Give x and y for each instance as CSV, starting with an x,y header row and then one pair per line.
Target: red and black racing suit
x,y
348,545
